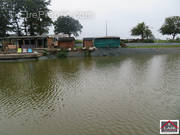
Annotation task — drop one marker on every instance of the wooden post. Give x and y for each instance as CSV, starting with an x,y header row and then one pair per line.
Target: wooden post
x,y
17,43
23,43
43,43
30,43
36,43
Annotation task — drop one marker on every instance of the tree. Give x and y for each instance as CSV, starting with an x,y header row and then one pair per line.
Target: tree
x,y
35,17
171,26
4,19
67,25
29,17
15,8
142,30
148,34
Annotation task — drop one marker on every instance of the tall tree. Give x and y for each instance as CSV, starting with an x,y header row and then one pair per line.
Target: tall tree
x,y
15,8
148,34
29,17
67,25
5,24
35,17
142,30
171,26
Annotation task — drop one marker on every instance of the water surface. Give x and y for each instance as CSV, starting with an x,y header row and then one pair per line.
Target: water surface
x,y
89,96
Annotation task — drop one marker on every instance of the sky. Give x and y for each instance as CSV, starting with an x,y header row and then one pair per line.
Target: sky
x,y
121,15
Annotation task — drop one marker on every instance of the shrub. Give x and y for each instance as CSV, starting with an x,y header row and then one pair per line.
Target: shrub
x,y
148,41
78,42
62,53
87,53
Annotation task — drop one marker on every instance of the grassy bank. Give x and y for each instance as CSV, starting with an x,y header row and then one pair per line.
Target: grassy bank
x,y
167,41
155,46
150,41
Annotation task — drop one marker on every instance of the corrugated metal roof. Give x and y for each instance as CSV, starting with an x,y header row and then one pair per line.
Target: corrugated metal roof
x,y
24,37
65,39
88,38
106,37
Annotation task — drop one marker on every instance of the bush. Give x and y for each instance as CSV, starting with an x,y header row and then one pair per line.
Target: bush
x,y
62,54
124,41
45,53
168,41
87,53
178,39
148,41
140,41
78,42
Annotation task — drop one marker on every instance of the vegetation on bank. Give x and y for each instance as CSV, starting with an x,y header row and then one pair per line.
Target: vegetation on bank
x,y
177,40
168,41
155,46
62,53
137,41
78,42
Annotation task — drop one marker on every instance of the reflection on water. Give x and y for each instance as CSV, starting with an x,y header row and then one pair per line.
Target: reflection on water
x,y
89,96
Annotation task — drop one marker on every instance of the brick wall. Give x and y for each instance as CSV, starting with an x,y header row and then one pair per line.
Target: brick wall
x,y
66,45
88,44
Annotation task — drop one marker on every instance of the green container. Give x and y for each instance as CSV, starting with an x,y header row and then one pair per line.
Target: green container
x,y
107,42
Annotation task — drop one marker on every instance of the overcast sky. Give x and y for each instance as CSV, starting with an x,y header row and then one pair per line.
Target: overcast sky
x,y
121,15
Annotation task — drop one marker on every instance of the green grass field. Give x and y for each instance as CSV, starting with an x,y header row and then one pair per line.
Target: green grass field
x,y
167,41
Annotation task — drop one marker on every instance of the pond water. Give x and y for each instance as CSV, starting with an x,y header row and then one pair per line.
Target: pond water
x,y
126,95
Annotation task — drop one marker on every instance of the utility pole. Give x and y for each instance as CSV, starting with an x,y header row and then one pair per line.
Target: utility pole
x,y
106,29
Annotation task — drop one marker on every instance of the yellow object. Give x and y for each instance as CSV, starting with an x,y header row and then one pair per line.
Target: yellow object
x,y
19,50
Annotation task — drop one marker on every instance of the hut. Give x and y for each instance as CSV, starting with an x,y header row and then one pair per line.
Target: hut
x,y
65,42
88,42
15,42
107,42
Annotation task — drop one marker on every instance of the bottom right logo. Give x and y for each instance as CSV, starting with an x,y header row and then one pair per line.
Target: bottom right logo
x,y
169,126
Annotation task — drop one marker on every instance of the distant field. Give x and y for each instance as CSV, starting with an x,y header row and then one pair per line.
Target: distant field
x,y
155,46
167,41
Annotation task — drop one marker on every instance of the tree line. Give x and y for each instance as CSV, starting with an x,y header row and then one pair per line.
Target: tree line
x,y
171,26
14,17
30,17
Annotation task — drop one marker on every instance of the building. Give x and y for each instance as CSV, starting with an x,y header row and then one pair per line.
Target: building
x,y
55,41
107,42
65,42
88,42
14,42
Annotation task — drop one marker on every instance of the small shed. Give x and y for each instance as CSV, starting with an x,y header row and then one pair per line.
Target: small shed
x,y
66,42
88,42
107,42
